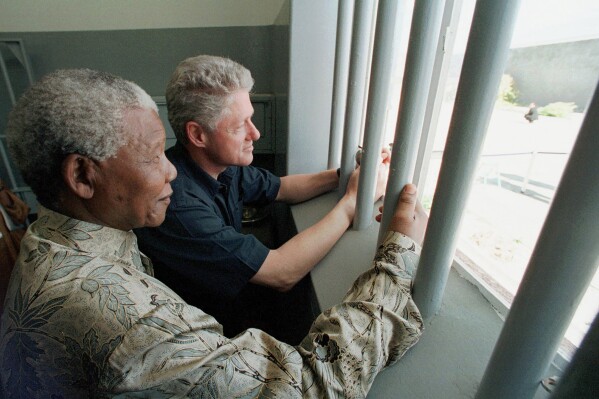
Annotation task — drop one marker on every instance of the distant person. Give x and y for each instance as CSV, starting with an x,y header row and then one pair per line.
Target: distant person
x,y
200,250
532,114
85,318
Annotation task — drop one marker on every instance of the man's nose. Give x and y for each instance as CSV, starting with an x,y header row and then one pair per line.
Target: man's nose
x,y
171,171
253,132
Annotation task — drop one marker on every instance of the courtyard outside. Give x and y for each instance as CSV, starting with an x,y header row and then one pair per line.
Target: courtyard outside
x,y
518,173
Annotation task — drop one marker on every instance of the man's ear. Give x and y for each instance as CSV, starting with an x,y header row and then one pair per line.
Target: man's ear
x,y
78,175
195,134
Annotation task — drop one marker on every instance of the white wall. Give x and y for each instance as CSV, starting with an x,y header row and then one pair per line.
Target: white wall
x,y
75,15
313,29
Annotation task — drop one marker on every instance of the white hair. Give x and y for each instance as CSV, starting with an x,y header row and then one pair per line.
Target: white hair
x,y
69,111
200,90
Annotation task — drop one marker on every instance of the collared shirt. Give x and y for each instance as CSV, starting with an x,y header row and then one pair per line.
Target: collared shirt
x,y
85,318
199,250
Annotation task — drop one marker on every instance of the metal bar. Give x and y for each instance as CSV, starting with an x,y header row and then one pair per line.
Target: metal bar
x,y
11,92
364,13
345,16
560,269
21,54
580,378
8,167
13,100
391,18
449,24
424,32
484,62
17,47
533,157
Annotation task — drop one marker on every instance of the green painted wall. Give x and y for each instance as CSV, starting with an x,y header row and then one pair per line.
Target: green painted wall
x,y
149,56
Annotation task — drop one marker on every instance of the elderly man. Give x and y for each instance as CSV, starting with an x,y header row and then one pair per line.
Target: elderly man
x,y
84,316
200,250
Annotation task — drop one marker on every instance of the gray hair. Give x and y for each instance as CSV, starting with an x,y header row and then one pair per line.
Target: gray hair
x,y
71,111
200,90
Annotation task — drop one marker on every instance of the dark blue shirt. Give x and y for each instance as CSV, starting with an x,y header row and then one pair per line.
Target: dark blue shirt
x,y
199,250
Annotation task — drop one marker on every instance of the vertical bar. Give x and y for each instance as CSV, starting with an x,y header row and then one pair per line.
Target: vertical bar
x,y
23,58
426,24
449,24
580,378
358,76
391,17
7,165
531,164
11,92
13,100
345,15
484,62
561,267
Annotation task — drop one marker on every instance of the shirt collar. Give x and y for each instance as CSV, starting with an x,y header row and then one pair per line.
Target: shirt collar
x,y
118,245
180,154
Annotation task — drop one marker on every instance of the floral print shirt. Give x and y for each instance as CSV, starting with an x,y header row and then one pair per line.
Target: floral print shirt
x,y
85,318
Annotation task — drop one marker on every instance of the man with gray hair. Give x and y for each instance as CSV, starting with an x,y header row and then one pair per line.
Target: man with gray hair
x,y
200,249
85,318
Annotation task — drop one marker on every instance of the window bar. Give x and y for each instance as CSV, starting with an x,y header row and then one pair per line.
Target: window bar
x,y
7,165
391,18
345,16
424,32
580,378
18,49
560,270
364,13
451,16
484,62
11,92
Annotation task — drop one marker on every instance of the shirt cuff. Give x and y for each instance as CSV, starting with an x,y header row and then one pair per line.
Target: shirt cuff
x,y
404,242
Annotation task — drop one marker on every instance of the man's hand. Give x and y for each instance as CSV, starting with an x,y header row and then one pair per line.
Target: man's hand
x,y
409,217
382,174
381,180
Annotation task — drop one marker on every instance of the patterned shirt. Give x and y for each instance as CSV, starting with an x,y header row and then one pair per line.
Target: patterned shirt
x,y
85,318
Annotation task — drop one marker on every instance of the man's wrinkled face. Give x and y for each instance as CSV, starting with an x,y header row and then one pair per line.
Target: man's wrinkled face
x,y
232,143
135,184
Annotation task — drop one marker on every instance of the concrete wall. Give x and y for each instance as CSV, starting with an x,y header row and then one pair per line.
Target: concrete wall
x,y
281,86
86,15
565,72
148,56
143,40
312,53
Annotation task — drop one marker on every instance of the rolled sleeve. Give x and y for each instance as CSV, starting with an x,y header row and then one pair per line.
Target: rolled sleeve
x,y
259,185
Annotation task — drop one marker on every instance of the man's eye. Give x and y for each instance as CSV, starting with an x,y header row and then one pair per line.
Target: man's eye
x,y
155,159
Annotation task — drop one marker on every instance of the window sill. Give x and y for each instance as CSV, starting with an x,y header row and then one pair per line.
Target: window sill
x,y
451,357
469,271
